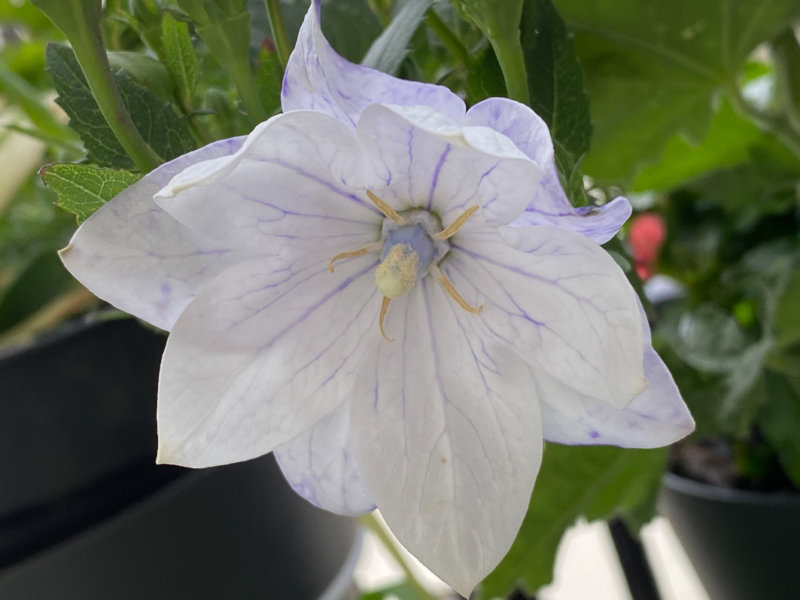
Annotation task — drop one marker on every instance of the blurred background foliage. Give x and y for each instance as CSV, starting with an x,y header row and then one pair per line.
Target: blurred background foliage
x,y
690,108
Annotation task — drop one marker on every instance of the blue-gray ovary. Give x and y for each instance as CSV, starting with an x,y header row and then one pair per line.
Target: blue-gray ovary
x,y
417,239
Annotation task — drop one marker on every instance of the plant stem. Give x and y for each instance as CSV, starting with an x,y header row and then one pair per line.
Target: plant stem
x,y
371,522
87,42
278,27
508,50
246,84
449,38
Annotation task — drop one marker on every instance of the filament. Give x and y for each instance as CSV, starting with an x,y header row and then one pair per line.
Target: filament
x,y
451,229
384,308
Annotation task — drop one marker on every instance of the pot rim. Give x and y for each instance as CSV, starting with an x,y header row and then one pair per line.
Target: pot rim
x,y
691,487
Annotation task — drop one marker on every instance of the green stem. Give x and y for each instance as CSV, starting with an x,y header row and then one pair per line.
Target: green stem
x,y
246,84
83,32
370,521
508,50
278,27
778,125
449,38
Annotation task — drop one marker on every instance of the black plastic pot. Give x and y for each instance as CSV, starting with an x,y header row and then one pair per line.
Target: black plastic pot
x,y
743,545
85,514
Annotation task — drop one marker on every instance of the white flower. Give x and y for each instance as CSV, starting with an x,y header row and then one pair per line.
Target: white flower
x,y
270,258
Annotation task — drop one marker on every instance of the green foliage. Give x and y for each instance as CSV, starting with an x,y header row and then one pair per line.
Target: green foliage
x,y
180,58
652,69
269,77
500,23
166,133
82,189
594,482
555,80
224,25
351,27
484,79
727,143
146,71
668,83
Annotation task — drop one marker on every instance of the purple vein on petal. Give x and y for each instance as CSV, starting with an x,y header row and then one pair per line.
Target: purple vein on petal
x,y
437,170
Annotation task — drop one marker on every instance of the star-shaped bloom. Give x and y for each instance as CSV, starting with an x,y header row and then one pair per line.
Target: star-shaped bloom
x,y
375,209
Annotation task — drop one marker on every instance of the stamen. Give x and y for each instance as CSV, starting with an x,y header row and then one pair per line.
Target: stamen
x,y
384,308
373,247
351,254
387,210
450,289
451,229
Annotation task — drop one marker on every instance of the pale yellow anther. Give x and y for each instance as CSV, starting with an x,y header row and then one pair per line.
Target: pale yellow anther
x,y
387,210
451,229
453,292
382,316
397,274
351,254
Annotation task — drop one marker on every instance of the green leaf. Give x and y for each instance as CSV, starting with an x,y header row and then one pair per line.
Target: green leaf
x,y
75,97
224,25
726,144
145,19
652,69
82,189
180,57
484,79
350,27
390,48
145,71
779,418
166,133
161,127
555,80
708,338
269,78
592,481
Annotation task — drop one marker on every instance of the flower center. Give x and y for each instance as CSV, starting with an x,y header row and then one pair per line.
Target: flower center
x,y
409,249
411,246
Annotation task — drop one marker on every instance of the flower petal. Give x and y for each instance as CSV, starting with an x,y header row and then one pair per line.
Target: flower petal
x,y
135,256
320,466
561,301
295,184
550,206
263,353
425,160
317,78
447,435
656,417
